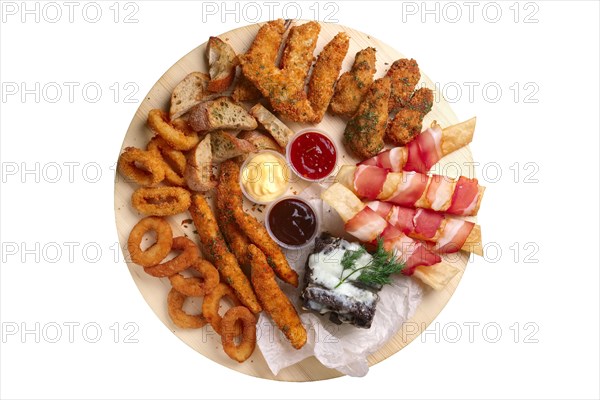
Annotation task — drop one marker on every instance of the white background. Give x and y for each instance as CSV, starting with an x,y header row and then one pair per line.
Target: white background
x,y
557,296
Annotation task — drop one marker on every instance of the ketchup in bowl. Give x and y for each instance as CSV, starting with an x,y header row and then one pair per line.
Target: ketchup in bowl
x,y
292,222
312,155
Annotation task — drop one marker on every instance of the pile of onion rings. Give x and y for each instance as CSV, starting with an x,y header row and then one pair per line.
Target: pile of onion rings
x,y
163,163
142,167
197,286
179,317
159,250
161,201
211,303
189,255
173,160
175,133
239,352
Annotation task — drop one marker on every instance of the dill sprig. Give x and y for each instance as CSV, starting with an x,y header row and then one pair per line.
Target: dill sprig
x,y
377,272
350,257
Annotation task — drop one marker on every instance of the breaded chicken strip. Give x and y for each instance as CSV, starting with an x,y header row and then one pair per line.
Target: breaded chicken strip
x,y
408,122
215,249
244,90
354,84
325,73
231,194
404,75
298,53
364,132
236,239
273,300
283,87
421,100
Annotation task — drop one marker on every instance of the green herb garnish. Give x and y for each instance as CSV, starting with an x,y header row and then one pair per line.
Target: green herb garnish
x,y
350,257
377,272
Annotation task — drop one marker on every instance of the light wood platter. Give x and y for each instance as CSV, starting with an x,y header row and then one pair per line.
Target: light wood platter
x,y
154,290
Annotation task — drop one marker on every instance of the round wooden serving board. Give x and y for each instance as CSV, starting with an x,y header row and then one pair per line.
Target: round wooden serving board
x,y
155,290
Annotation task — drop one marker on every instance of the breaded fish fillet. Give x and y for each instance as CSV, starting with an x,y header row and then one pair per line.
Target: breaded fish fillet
x,y
231,194
364,132
408,122
325,73
273,300
404,75
354,84
215,249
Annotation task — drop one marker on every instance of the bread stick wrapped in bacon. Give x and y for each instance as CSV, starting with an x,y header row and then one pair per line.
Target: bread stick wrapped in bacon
x,y
367,225
460,196
426,149
448,234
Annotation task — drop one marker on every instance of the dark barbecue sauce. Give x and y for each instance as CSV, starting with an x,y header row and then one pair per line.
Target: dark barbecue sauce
x,y
292,222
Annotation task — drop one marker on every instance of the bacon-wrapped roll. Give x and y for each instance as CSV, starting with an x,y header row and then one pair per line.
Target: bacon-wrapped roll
x,y
460,196
426,149
448,234
366,225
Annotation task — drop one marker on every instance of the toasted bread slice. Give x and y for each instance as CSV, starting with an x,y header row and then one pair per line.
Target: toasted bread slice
x,y
221,113
198,172
221,64
225,146
261,141
280,132
189,92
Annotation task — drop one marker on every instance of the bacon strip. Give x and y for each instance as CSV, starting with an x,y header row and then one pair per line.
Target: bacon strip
x,y
370,180
426,149
367,225
413,189
402,218
465,198
449,234
453,236
427,223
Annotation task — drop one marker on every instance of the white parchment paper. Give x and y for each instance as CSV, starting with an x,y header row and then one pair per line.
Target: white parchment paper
x,y
343,347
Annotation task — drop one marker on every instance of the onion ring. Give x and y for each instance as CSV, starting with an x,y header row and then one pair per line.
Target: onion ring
x,y
175,134
161,201
210,305
242,351
189,254
173,160
194,286
179,317
158,251
152,170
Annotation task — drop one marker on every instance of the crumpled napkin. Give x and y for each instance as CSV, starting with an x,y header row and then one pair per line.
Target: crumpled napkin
x,y
342,347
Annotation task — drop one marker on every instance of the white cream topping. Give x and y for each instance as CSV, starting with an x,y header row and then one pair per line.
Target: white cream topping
x,y
327,270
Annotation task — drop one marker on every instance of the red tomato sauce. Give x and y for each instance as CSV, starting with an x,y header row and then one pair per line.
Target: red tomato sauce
x,y
313,155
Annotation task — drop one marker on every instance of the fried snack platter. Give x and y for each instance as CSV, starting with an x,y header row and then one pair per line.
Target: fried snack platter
x,y
155,291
